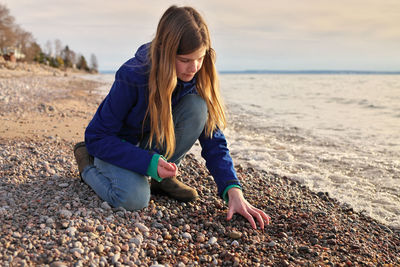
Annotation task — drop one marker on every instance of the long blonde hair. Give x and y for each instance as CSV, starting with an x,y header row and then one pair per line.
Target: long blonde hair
x,y
181,30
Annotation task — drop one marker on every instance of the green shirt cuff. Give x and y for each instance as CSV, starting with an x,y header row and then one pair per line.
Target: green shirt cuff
x,y
152,169
225,193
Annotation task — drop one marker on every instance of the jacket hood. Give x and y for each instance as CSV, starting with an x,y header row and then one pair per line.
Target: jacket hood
x,y
142,54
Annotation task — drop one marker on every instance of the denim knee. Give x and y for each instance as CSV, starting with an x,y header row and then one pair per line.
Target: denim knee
x,y
133,198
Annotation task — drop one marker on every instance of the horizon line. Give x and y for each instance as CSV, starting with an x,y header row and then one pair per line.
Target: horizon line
x,y
293,72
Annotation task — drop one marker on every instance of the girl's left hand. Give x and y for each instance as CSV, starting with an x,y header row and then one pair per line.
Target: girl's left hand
x,y
166,169
238,204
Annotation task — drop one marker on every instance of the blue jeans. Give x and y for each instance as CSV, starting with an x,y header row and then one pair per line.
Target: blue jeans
x,y
124,188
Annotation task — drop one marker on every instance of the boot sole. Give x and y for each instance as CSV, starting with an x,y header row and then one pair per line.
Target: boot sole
x,y
163,193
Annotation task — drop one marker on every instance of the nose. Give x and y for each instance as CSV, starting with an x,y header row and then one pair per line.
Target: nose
x,y
193,68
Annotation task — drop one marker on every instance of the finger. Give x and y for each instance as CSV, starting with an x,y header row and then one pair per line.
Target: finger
x,y
166,165
265,217
164,173
250,219
174,166
230,214
260,219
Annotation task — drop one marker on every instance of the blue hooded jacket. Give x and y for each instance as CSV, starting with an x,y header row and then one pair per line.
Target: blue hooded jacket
x,y
115,130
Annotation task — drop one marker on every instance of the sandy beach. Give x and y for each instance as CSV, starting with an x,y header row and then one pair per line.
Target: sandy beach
x,y
48,217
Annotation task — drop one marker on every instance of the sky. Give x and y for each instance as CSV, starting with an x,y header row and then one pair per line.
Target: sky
x,y
247,35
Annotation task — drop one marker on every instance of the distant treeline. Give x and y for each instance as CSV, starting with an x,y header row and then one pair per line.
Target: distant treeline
x,y
21,45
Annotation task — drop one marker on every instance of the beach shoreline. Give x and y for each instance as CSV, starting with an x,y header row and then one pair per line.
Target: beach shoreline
x,y
49,217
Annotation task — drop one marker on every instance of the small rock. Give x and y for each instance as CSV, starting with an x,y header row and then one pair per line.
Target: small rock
x,y
64,224
100,228
304,249
283,235
236,262
141,227
16,235
186,228
115,258
58,264
235,234
99,248
201,238
63,185
77,254
79,250
212,240
187,235
137,240
313,241
65,214
125,247
71,231
272,244
105,206
235,243
158,225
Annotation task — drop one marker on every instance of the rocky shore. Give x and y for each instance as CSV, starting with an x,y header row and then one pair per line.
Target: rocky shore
x,y
48,217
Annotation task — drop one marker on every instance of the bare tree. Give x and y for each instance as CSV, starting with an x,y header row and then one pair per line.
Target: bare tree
x,y
7,23
93,63
58,47
48,47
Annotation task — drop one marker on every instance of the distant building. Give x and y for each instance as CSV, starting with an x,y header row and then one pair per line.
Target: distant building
x,y
12,54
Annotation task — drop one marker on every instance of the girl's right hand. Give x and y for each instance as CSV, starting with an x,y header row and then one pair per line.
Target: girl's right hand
x,y
166,169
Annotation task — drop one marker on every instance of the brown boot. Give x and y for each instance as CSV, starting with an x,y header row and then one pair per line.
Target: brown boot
x,y
82,157
173,188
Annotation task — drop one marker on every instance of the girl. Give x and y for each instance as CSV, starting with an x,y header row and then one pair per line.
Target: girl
x,y
161,102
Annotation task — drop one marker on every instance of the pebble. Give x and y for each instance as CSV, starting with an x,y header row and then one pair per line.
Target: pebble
x,y
79,250
58,264
136,240
63,185
16,235
141,227
65,214
99,248
50,221
201,238
235,234
272,244
304,249
158,225
313,241
187,235
64,224
71,231
115,258
125,247
105,206
235,243
212,240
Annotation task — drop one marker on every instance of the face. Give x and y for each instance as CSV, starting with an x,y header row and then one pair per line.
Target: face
x,y
189,64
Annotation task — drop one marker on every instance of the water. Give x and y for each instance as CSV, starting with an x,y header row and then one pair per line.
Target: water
x,y
335,133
